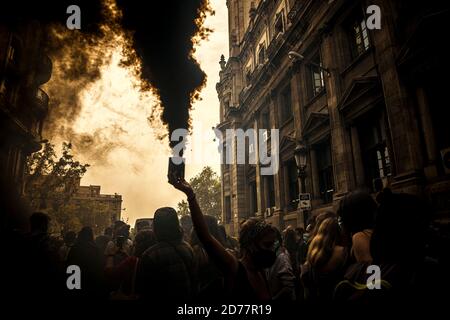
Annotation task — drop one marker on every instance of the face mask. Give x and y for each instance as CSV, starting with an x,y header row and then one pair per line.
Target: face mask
x,y
264,258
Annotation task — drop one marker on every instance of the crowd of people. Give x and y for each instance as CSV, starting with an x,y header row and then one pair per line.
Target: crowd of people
x,y
192,259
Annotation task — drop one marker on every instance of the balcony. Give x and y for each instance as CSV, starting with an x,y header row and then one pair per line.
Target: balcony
x,y
40,105
43,70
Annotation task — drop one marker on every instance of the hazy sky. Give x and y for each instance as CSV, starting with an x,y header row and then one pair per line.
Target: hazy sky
x,y
137,168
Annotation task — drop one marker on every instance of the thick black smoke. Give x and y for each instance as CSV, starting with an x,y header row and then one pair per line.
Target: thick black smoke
x,y
14,12
163,36
163,40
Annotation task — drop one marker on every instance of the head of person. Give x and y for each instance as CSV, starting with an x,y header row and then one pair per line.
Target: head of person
x,y
85,235
39,222
256,240
322,244
400,224
70,237
290,239
143,240
318,220
117,226
300,231
123,231
166,225
357,211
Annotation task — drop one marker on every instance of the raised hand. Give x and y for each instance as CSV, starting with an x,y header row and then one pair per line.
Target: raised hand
x,y
180,184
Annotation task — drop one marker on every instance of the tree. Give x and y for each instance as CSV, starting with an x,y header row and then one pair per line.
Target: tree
x,y
207,188
50,182
183,208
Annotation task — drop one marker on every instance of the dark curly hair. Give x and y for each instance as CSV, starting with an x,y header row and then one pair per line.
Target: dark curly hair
x,y
252,230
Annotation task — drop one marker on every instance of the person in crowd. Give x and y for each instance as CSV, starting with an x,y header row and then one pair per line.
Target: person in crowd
x,y
167,271
281,278
325,262
357,212
398,246
88,258
121,246
69,240
245,278
302,248
290,242
224,236
317,220
43,255
186,226
123,276
210,278
231,243
102,240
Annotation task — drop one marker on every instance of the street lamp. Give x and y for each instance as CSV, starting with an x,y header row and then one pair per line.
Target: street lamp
x,y
300,153
295,56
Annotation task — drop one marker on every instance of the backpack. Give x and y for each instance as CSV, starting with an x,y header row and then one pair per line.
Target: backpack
x,y
354,287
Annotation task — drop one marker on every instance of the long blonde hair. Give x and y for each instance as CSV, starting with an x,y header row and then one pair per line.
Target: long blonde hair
x,y
322,244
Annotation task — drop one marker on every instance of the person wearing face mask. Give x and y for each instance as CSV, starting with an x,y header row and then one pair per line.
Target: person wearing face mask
x,y
245,278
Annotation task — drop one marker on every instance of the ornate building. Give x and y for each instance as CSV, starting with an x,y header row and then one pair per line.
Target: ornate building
x,y
24,67
367,105
89,198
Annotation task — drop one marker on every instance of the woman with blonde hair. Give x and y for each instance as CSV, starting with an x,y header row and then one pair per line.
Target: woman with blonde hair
x,y
325,262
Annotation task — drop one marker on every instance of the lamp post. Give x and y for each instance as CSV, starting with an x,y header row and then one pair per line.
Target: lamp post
x,y
300,154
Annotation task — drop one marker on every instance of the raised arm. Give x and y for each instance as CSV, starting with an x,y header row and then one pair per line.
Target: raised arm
x,y
224,260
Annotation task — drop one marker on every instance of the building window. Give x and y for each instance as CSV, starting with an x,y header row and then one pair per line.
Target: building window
x,y
359,36
279,24
285,104
261,54
375,154
325,171
227,208
316,74
293,184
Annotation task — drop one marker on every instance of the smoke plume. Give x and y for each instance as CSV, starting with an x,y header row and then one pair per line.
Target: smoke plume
x,y
158,37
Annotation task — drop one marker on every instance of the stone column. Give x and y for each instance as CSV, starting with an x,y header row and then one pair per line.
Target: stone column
x,y
357,158
402,120
259,182
314,174
339,146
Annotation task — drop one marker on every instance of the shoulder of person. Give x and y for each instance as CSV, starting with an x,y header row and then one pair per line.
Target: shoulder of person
x,y
362,236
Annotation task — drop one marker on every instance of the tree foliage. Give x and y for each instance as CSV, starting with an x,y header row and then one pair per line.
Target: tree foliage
x,y
207,188
50,182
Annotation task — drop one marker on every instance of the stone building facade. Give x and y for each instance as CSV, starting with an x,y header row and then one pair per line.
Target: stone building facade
x,y
368,104
24,67
106,204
